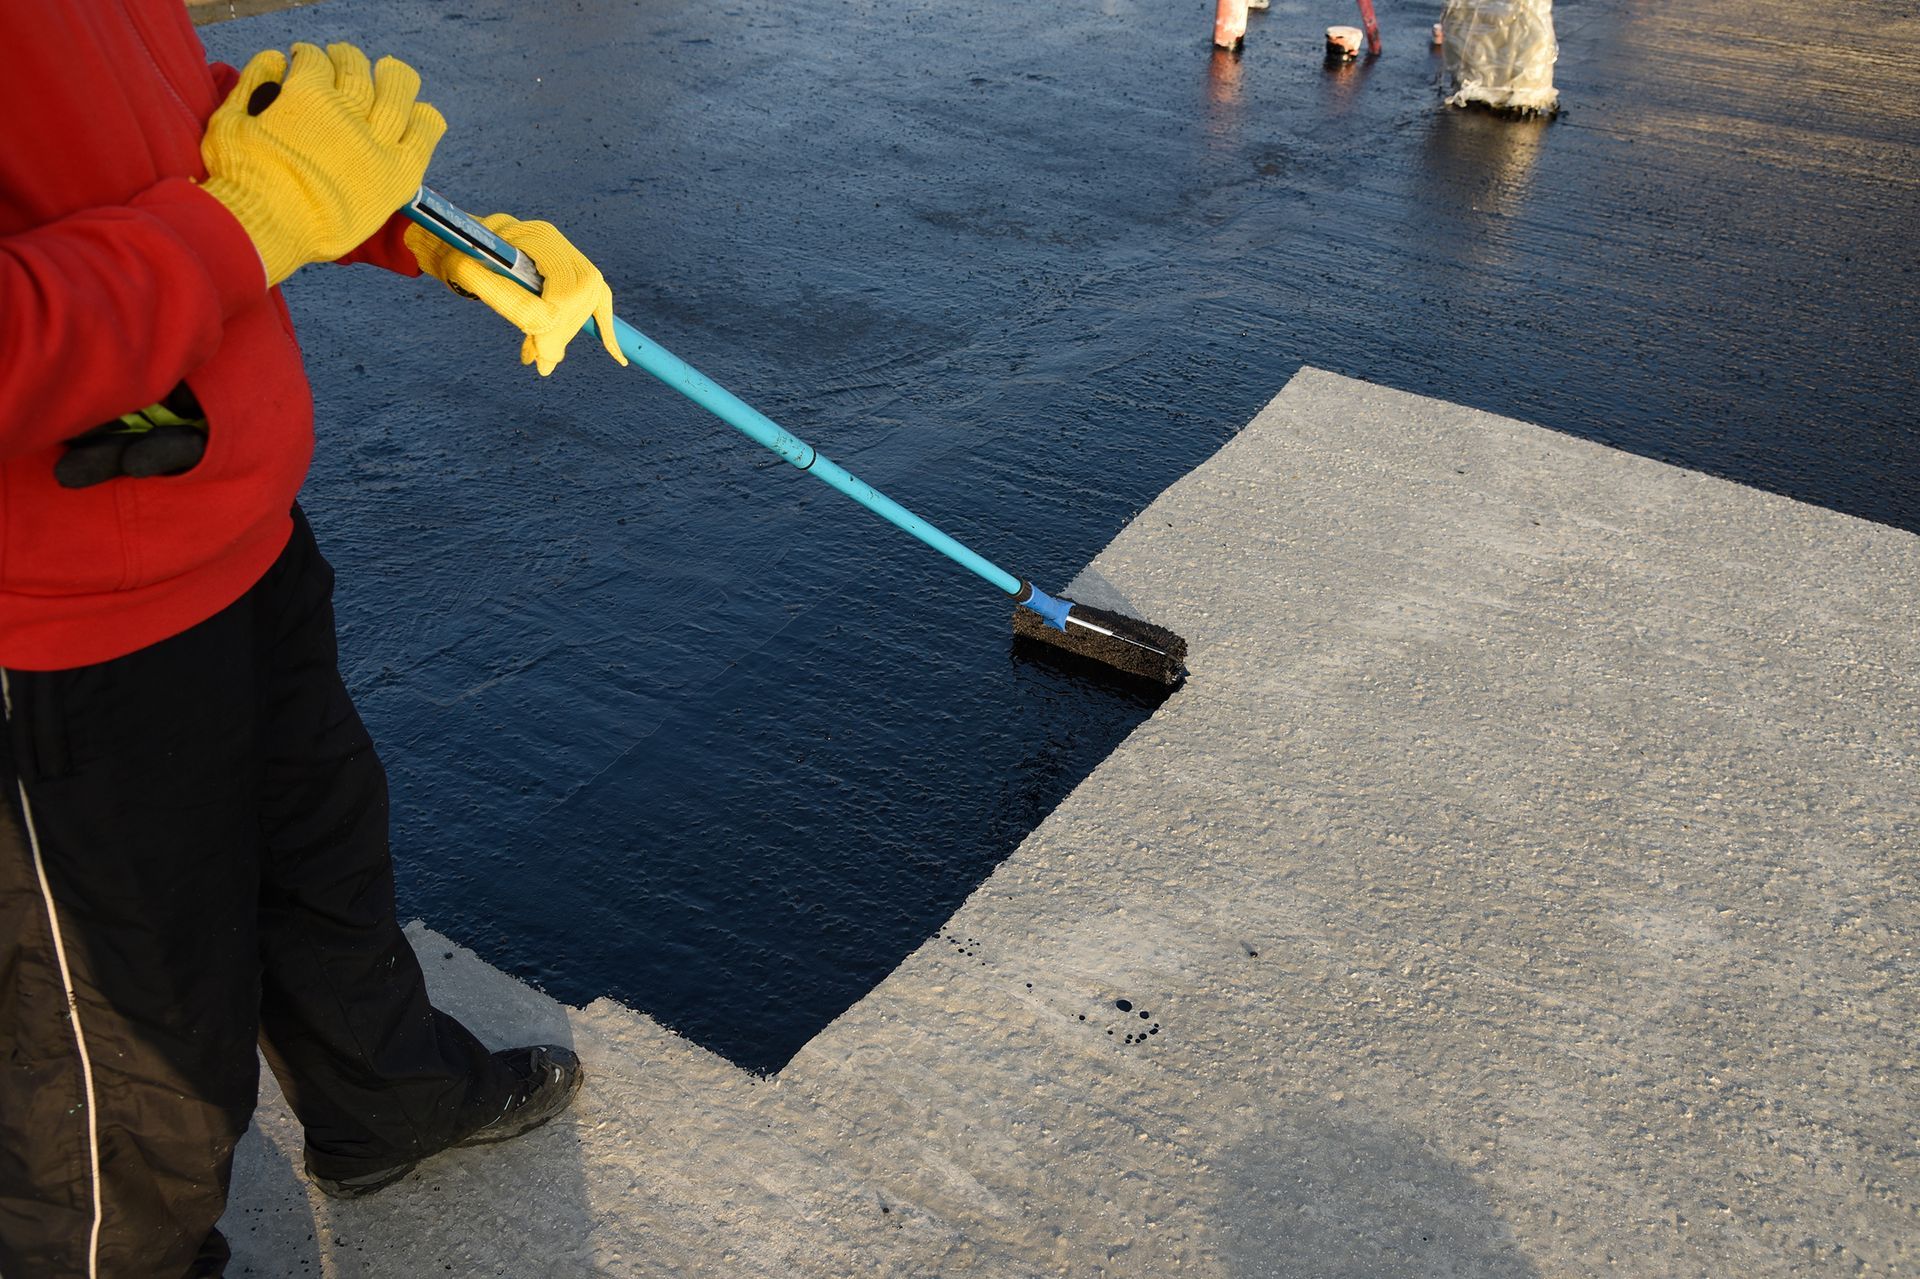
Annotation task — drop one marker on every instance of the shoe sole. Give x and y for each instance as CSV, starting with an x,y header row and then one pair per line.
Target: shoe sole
x,y
359,1187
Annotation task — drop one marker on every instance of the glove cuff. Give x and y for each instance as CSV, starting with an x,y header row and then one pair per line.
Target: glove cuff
x,y
275,247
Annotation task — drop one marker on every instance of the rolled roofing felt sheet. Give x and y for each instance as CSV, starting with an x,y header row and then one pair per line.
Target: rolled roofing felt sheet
x,y
1344,42
1230,23
1500,54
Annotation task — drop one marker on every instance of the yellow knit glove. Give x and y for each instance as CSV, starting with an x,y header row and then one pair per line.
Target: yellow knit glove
x,y
574,292
312,164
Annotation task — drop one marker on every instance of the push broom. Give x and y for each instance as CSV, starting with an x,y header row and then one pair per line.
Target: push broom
x,y
1111,639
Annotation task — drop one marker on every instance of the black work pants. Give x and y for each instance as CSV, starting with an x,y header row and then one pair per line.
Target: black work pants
x,y
193,858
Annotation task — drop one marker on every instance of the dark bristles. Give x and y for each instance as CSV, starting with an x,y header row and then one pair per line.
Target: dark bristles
x,y
1164,658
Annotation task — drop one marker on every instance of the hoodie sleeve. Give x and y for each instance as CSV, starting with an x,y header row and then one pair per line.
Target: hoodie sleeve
x,y
387,248
106,309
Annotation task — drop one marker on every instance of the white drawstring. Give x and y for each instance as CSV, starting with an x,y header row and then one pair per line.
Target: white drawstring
x,y
73,1001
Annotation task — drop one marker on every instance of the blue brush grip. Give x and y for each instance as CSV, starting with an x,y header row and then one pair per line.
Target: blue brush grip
x,y
1055,611
472,237
767,433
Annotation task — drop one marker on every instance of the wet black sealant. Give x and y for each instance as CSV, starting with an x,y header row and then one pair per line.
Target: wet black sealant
x,y
670,722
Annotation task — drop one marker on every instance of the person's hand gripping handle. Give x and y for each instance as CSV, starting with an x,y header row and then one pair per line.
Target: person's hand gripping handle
x,y
494,258
313,155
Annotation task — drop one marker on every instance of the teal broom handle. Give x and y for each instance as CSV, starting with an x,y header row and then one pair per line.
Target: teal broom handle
x,y
433,211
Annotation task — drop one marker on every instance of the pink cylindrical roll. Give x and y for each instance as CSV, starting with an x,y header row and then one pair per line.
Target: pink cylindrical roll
x,y
1373,28
1230,23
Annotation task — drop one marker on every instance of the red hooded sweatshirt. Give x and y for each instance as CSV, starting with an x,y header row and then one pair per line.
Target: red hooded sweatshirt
x,y
119,277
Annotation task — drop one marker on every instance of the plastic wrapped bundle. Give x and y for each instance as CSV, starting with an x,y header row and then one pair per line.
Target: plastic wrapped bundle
x,y
1500,54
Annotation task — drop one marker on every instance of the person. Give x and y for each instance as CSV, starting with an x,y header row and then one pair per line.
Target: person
x,y
193,844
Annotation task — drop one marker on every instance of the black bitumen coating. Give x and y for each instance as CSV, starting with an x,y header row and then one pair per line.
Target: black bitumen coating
x,y
669,721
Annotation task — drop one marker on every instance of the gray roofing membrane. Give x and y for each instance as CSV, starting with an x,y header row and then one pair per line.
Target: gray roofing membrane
x,y
1521,884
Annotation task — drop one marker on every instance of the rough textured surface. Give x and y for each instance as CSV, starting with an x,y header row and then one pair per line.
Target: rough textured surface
x,y
206,12
1521,884
668,721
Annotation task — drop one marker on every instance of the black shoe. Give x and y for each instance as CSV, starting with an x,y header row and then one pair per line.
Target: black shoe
x,y
211,1261
546,1077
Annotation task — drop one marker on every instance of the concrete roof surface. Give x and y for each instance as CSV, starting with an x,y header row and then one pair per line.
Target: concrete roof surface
x,y
1521,884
